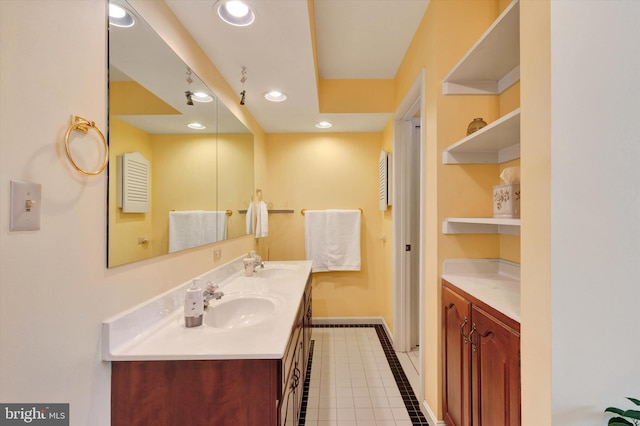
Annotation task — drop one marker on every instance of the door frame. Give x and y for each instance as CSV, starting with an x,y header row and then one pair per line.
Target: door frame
x,y
413,101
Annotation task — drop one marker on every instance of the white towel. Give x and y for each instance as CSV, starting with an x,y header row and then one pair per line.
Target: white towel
x,y
315,239
262,220
185,230
214,226
343,240
249,225
332,239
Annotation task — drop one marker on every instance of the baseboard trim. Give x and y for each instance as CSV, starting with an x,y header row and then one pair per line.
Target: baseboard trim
x,y
353,320
431,418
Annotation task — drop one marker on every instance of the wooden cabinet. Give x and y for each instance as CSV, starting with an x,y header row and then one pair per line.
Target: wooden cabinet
x,y
238,392
481,362
495,371
456,362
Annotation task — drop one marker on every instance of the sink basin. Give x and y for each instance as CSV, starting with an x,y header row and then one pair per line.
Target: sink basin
x,y
240,310
276,271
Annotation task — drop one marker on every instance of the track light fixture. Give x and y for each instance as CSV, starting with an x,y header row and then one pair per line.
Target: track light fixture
x,y
242,80
189,93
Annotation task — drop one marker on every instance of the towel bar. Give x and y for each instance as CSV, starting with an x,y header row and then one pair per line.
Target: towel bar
x,y
303,210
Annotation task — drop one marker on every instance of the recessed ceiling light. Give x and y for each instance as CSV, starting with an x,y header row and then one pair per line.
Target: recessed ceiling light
x,y
275,96
201,97
235,12
323,124
120,16
196,126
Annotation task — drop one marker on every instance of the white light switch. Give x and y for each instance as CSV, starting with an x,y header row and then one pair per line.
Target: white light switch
x,y
25,206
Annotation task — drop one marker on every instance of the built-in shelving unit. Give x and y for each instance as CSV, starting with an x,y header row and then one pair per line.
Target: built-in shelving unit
x,y
492,65
481,225
495,143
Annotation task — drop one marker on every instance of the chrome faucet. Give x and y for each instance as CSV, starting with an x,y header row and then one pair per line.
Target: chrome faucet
x,y
257,263
211,293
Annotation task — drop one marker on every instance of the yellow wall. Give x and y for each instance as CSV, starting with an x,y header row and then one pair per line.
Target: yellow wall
x,y
386,231
235,178
535,296
452,191
355,96
126,228
323,171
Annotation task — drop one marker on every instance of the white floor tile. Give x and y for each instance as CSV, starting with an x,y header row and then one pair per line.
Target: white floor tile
x,y
346,414
351,383
366,414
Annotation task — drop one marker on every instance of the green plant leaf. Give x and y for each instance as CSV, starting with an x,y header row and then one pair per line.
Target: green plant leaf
x,y
619,421
632,414
634,400
614,410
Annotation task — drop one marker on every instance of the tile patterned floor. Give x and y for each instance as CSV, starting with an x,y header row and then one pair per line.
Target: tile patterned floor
x,y
355,379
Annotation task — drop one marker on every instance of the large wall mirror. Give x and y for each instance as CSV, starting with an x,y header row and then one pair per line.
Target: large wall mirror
x,y
171,187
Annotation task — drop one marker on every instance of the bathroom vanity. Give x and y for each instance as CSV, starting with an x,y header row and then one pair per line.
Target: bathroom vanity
x,y
238,368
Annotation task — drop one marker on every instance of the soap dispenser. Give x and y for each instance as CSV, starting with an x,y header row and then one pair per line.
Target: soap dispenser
x,y
193,305
249,265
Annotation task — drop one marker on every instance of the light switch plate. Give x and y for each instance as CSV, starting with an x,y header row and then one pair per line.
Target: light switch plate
x,y
25,206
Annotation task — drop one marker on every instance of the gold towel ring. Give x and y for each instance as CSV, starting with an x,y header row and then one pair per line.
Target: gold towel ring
x,y
83,125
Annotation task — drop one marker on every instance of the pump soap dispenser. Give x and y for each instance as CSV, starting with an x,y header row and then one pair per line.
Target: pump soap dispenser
x,y
193,305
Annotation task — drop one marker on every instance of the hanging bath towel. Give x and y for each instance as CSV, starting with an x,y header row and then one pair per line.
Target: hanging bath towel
x,y
343,240
315,239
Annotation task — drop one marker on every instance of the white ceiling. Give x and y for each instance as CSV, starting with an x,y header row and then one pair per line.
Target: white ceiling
x,y
356,39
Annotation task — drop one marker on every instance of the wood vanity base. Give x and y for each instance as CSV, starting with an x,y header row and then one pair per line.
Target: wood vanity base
x,y
225,392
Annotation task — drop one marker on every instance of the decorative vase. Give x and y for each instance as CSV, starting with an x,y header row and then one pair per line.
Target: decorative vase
x,y
475,125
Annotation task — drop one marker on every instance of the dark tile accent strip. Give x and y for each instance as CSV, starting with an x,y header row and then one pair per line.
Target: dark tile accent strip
x,y
305,390
409,398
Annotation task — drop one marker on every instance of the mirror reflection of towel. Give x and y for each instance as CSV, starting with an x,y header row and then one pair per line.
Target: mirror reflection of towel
x,y
193,228
262,220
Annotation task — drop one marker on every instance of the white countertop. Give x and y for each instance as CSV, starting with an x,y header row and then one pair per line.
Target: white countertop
x,y
496,282
155,330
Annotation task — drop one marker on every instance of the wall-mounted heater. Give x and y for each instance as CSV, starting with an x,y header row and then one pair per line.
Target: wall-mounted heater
x,y
383,181
133,183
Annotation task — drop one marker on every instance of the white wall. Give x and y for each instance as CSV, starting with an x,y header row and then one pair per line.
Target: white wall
x,y
54,287
595,137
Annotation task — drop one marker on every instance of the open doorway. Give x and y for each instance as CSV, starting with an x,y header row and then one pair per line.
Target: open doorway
x,y
408,229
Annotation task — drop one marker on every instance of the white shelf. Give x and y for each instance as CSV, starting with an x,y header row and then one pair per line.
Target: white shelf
x,y
492,65
495,143
481,225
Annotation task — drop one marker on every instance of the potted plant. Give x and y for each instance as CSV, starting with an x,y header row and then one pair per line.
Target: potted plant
x,y
625,417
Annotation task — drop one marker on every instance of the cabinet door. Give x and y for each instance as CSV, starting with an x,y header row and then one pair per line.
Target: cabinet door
x,y
456,315
495,366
